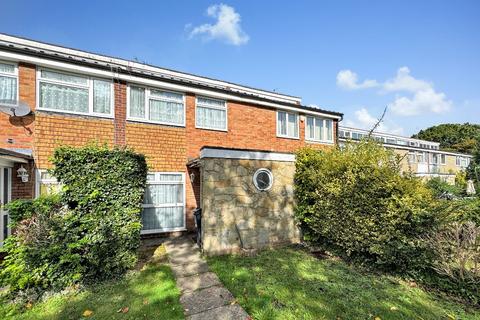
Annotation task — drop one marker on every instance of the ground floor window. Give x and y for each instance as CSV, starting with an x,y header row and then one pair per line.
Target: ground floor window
x,y
46,183
164,202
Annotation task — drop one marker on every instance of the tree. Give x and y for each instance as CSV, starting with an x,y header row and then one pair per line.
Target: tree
x,y
463,138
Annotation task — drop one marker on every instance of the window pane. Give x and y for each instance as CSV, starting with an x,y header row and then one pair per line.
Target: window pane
x,y
60,97
211,118
45,74
137,102
292,125
167,95
282,123
166,111
210,102
7,68
170,177
319,129
8,89
101,96
329,124
158,194
310,131
162,218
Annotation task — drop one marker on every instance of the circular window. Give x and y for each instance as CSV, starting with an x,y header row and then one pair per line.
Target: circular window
x,y
263,179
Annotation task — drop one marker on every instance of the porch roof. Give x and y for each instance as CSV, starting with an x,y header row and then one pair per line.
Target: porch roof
x,y
11,156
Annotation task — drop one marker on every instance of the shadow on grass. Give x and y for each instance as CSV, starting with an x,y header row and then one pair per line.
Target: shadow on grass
x,y
290,284
149,294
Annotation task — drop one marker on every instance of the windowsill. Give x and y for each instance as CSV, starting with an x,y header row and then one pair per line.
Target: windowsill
x,y
142,232
156,122
287,137
319,141
211,129
96,115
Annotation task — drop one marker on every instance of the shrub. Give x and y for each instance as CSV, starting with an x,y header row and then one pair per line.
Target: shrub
x,y
89,232
440,188
456,247
356,200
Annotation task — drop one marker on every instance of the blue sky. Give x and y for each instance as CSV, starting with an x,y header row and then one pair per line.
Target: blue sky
x,y
421,58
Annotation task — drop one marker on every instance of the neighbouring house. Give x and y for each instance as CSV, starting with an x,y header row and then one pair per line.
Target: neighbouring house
x,y
224,147
421,157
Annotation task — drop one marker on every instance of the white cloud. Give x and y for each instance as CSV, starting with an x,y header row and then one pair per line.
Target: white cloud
x,y
405,82
364,120
423,101
227,26
424,98
348,79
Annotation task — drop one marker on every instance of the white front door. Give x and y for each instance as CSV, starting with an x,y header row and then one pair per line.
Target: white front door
x,y
5,197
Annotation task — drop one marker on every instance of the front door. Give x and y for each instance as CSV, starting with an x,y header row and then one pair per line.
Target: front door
x,y
5,197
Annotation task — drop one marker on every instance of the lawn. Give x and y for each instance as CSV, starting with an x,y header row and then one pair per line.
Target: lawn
x,y
291,284
148,293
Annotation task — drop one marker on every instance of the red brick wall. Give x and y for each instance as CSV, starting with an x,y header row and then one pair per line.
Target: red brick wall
x,y
249,127
23,190
53,130
20,137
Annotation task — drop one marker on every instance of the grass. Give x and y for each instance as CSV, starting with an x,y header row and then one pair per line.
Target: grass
x,y
291,284
149,293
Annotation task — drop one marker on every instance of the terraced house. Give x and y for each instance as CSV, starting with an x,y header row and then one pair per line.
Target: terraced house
x,y
220,146
421,157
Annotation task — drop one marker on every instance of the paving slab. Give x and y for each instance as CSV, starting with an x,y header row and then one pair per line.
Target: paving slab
x,y
199,281
230,312
203,295
206,299
189,269
185,258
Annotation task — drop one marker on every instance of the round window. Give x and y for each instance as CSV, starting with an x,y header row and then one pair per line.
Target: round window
x,y
263,179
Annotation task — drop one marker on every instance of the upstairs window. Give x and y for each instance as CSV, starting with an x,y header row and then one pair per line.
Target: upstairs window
x,y
443,159
287,124
319,129
65,92
411,157
8,82
211,114
157,106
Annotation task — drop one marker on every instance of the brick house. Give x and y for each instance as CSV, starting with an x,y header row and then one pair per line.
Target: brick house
x,y
221,146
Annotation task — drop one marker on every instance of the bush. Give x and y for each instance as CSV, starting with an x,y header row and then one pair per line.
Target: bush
x,y
456,246
89,232
356,200
440,188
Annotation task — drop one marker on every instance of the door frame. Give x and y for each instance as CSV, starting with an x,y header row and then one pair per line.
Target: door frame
x,y
4,213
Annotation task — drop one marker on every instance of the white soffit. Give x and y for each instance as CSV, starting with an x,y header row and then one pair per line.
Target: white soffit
x,y
246,154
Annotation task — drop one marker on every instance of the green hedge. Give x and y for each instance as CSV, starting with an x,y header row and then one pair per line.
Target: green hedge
x,y
357,201
89,232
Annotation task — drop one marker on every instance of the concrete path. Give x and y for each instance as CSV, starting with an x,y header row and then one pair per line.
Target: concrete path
x,y
203,295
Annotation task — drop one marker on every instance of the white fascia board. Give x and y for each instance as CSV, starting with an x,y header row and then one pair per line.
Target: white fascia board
x,y
245,154
131,64
150,82
393,146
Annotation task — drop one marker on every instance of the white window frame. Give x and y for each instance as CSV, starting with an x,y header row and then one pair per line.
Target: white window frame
x,y
443,159
148,96
184,205
225,107
288,136
89,86
12,75
411,155
39,181
324,129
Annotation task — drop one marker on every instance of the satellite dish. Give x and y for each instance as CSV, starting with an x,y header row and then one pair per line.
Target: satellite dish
x,y
15,108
